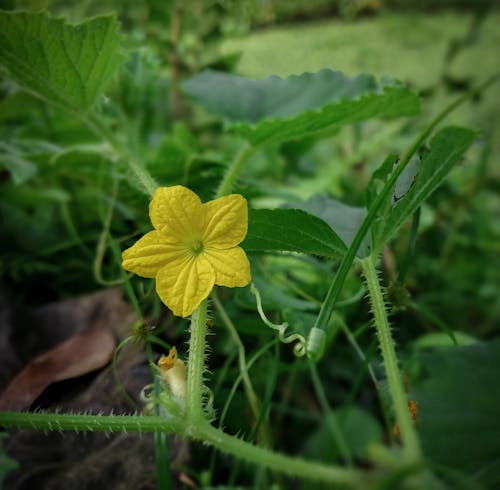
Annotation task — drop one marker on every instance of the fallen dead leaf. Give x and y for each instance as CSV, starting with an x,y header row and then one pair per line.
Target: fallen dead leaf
x,y
84,352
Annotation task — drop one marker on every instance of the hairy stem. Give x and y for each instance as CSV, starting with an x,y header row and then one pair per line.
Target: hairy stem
x,y
409,436
276,461
202,431
101,130
234,169
91,423
196,364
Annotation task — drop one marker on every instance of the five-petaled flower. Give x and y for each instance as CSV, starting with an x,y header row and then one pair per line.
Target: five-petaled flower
x,y
192,247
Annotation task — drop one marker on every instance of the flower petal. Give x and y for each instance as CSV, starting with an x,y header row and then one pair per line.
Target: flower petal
x,y
149,254
226,221
231,266
176,212
183,284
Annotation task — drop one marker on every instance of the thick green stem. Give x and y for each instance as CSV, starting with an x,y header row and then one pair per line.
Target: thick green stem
x,y
196,364
202,431
277,461
394,379
89,423
234,169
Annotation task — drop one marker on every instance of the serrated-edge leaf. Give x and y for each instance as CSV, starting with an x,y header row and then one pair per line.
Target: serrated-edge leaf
x,y
362,98
66,64
446,148
291,230
281,129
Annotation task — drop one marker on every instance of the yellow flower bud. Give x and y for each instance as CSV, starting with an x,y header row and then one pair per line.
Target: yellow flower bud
x,y
173,371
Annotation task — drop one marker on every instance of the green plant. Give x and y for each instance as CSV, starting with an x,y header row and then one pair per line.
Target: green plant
x,y
68,67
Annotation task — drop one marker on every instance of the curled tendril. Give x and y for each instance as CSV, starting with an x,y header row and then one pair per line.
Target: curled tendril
x,y
299,349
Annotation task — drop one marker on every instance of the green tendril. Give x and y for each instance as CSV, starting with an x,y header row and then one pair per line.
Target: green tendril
x,y
299,349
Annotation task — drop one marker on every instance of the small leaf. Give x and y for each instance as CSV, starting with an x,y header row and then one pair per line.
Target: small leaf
x,y
443,339
19,168
68,65
459,403
276,109
343,219
7,464
291,230
446,148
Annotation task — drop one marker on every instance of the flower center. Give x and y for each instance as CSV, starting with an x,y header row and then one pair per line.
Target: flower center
x,y
195,246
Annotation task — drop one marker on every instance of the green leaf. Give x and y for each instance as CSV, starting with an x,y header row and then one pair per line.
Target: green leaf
x,y
343,219
19,168
442,339
68,65
358,427
7,464
459,403
291,230
446,148
276,109
406,179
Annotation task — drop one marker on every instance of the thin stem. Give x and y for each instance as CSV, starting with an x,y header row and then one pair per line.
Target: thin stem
x,y
238,380
101,243
162,458
234,169
115,249
394,379
336,286
144,178
410,249
196,364
253,399
114,368
352,340
329,414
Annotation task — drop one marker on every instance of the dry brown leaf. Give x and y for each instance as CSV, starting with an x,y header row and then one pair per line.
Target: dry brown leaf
x,y
84,352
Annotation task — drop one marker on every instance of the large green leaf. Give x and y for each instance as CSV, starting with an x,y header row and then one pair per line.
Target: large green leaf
x,y
291,230
343,219
276,109
65,64
459,407
446,148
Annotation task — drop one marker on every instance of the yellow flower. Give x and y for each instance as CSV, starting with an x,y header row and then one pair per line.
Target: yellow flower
x,y
192,247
